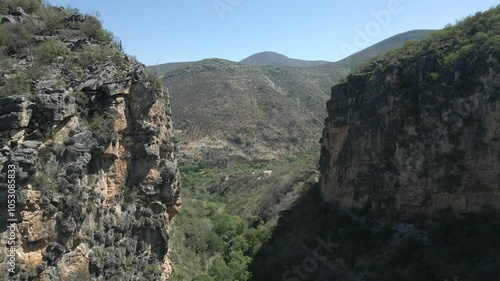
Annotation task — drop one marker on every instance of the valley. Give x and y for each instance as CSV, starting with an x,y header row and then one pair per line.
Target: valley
x,y
382,166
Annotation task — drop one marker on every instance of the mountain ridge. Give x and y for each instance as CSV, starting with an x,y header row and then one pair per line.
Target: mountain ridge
x,y
270,58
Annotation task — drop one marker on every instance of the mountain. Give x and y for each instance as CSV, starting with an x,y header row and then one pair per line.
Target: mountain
x,y
270,111
276,59
87,150
385,45
227,110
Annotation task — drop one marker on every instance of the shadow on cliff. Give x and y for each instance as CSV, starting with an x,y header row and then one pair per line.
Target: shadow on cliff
x,y
317,241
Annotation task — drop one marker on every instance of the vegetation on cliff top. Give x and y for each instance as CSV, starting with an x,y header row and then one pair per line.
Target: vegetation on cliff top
x,y
478,33
46,42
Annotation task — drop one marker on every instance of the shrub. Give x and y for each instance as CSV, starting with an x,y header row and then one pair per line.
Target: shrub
x,y
29,6
154,80
53,19
72,11
95,54
36,71
434,76
51,50
92,28
6,62
16,38
73,68
103,125
151,269
203,277
4,36
17,85
46,177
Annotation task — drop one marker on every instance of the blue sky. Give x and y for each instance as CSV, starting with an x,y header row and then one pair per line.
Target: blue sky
x,y
185,30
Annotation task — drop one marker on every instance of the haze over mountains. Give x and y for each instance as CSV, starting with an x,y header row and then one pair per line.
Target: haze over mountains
x,y
262,108
269,58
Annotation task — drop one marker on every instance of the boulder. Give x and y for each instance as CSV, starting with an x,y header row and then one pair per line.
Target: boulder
x,y
15,112
56,107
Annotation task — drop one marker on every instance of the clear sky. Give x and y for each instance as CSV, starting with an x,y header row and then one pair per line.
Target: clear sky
x,y
186,30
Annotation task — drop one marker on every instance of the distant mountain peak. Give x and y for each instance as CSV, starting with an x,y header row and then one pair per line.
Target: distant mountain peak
x,y
269,58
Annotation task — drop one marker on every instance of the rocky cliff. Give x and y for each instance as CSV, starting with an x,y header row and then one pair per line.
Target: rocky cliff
x,y
91,143
418,129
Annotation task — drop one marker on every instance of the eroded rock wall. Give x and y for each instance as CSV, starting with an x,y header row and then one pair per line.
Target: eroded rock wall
x,y
97,181
415,136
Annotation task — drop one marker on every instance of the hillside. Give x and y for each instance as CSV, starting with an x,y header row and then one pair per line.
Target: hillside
x,y
276,59
383,46
227,110
166,67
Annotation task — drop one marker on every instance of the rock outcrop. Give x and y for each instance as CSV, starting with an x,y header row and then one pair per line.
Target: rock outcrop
x,y
96,173
419,129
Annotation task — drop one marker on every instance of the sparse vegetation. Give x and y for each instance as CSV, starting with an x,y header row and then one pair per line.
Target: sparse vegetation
x,y
50,50
17,38
53,20
94,54
473,34
154,80
17,41
102,124
16,85
29,6
92,28
434,77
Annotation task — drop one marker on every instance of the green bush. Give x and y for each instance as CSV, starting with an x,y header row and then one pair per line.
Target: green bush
x,y
95,54
103,125
29,6
74,68
46,177
81,98
50,50
154,80
434,77
152,269
17,85
203,277
17,38
72,11
52,19
4,36
36,71
92,28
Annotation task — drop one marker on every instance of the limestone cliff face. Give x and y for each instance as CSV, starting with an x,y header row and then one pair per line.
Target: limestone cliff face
x,y
97,177
417,134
